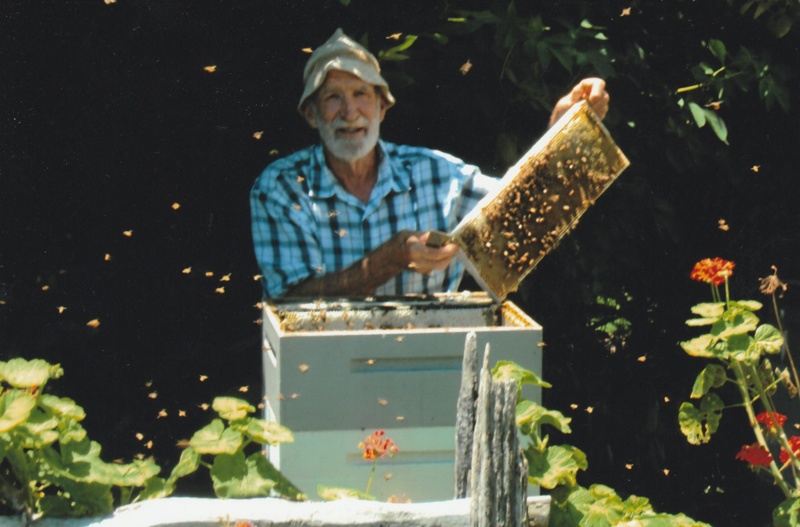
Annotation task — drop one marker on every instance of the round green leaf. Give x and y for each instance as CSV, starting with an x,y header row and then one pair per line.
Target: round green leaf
x,y
62,406
21,373
508,370
709,309
216,439
556,465
701,346
712,376
232,408
531,415
787,514
235,476
15,408
768,339
262,431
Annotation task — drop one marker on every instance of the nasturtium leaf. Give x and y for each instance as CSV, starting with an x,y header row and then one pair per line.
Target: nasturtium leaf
x,y
61,406
340,493
556,465
709,309
531,415
156,488
702,346
187,464
232,408
54,505
216,439
508,370
712,376
235,476
740,348
262,431
15,408
21,373
751,305
694,322
787,513
768,339
738,321
699,424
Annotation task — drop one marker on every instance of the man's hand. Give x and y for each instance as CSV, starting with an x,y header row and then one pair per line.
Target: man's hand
x,y
424,258
405,250
592,90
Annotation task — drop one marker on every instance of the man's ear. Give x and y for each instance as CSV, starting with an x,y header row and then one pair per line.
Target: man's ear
x,y
309,114
383,106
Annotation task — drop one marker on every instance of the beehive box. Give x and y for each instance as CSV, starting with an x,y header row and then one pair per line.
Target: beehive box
x,y
335,371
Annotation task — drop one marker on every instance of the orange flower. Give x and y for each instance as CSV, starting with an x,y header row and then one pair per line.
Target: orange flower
x,y
794,443
712,270
755,454
377,446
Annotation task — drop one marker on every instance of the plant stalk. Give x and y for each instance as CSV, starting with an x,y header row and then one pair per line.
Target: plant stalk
x,y
741,382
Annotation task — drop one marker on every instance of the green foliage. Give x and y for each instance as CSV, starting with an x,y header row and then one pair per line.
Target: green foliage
x,y
787,514
698,424
48,464
781,15
234,473
556,467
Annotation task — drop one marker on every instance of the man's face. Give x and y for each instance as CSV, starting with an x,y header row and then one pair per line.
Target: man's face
x,y
348,112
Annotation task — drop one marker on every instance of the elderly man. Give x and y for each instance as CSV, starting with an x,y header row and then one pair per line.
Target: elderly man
x,y
351,216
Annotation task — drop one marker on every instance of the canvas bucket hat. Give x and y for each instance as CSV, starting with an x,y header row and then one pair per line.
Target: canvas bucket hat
x,y
342,53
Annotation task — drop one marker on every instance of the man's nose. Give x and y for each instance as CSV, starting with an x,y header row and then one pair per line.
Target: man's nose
x,y
349,110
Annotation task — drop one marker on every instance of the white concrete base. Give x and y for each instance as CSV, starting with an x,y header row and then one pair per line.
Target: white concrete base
x,y
272,512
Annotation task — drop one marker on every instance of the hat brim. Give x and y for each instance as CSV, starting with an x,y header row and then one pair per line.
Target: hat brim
x,y
349,65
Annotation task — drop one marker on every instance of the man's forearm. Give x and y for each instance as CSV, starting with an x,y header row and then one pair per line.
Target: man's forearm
x,y
361,278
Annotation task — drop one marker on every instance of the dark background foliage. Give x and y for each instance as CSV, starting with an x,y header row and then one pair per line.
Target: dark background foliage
x,y
108,118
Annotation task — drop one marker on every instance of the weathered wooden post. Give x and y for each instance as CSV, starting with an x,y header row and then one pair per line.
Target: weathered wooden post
x,y
489,461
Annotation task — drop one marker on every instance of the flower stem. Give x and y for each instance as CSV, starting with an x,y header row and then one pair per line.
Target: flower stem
x,y
741,382
785,343
371,474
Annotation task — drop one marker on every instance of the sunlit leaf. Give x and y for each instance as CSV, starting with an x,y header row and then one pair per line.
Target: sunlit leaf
x,y
15,407
21,373
556,465
768,339
268,432
712,376
508,370
530,415
709,309
699,424
216,439
232,408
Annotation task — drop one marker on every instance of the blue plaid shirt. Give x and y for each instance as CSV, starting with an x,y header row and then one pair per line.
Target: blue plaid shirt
x,y
305,224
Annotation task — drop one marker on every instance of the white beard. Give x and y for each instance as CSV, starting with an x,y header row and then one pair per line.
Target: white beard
x,y
346,148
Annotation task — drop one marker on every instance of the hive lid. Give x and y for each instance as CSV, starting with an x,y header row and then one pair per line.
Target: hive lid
x,y
539,201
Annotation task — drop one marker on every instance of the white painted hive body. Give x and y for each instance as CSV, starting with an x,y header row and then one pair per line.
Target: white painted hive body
x,y
334,372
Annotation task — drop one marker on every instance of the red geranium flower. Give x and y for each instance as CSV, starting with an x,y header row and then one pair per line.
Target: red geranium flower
x,y
765,418
375,446
712,270
755,454
794,443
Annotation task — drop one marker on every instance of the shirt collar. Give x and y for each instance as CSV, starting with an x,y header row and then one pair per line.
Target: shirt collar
x,y
392,175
